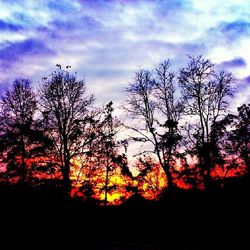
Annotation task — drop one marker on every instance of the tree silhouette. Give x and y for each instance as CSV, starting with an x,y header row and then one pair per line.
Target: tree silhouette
x,y
65,110
237,138
103,152
170,106
152,99
108,145
187,137
18,134
205,94
241,134
151,179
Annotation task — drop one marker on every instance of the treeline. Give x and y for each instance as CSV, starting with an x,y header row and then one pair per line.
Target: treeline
x,y
54,135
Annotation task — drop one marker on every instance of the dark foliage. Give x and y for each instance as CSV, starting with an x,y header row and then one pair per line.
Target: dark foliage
x,y
65,125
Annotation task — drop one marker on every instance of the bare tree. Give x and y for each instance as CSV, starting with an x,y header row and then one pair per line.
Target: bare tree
x,y
65,110
205,94
18,107
170,106
152,98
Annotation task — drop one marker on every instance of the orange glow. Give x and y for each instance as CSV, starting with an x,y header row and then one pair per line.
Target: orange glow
x,y
88,177
86,170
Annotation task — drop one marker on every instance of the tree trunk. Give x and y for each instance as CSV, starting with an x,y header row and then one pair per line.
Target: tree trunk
x,y
66,175
23,165
246,153
165,166
207,165
106,186
167,163
169,177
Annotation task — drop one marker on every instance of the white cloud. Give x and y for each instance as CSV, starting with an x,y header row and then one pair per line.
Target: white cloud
x,y
119,37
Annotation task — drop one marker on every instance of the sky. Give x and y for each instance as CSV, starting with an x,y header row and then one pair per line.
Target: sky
x,y
106,41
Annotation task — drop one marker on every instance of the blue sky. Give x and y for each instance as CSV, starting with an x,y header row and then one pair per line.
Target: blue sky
x,y
106,41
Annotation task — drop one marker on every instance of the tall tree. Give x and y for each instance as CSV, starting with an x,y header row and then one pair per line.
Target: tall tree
x,y
236,133
205,94
18,107
106,148
108,145
241,134
152,98
169,105
65,111
103,170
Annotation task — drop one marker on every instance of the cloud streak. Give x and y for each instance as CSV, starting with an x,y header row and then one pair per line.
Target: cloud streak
x,y
106,41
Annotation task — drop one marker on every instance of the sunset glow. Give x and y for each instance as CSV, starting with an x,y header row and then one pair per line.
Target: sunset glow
x,y
115,99
125,124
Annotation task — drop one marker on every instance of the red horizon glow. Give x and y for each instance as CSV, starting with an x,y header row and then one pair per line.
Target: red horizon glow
x,y
150,187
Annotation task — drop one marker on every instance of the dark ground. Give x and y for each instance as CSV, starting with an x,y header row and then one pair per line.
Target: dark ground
x,y
186,220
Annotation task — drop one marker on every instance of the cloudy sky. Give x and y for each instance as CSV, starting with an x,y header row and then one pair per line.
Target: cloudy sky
x,y
106,41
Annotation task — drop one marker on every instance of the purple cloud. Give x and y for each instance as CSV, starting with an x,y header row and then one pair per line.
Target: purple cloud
x,y
5,26
96,4
13,52
84,23
62,25
247,79
235,63
234,30
90,23
107,40
23,18
242,91
60,6
164,7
